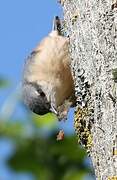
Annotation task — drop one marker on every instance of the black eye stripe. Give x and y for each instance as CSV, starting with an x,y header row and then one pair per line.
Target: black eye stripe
x,y
38,88
42,94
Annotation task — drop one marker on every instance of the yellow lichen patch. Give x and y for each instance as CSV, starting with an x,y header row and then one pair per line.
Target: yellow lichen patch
x,y
115,152
89,140
115,146
112,178
74,17
82,112
82,131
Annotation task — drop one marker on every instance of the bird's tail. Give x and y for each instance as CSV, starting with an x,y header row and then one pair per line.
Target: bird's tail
x,y
57,25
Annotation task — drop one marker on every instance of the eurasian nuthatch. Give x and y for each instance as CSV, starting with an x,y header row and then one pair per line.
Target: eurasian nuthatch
x,y
47,79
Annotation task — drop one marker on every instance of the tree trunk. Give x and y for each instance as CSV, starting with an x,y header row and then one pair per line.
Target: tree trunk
x,y
92,28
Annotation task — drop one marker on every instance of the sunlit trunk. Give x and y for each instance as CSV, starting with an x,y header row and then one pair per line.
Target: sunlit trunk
x,y
92,28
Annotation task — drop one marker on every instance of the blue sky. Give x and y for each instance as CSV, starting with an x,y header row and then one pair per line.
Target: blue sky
x,y
23,24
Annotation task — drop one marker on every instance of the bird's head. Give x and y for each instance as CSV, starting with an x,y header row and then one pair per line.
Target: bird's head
x,y
37,99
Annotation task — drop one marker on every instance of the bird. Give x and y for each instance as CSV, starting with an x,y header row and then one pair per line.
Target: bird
x,y
47,80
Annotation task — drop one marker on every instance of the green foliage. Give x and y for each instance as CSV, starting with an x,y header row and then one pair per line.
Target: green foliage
x,y
4,82
39,153
49,120
48,159
11,129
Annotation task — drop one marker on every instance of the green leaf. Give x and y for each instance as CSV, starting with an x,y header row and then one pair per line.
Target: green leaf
x,y
43,157
4,82
11,129
75,174
48,120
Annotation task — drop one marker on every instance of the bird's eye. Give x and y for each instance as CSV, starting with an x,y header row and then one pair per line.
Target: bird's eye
x,y
42,94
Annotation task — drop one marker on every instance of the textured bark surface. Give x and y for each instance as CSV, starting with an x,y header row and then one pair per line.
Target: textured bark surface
x,y
92,28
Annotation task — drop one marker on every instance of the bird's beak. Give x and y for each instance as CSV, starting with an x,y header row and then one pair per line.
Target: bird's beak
x,y
53,109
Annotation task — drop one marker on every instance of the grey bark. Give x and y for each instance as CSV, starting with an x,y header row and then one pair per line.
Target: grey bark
x,y
92,28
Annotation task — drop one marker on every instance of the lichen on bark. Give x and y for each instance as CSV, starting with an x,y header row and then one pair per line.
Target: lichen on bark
x,y
92,29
